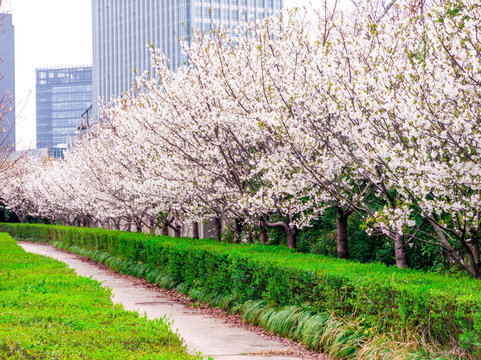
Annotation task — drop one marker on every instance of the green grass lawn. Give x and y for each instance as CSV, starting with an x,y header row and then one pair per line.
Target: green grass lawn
x,y
48,312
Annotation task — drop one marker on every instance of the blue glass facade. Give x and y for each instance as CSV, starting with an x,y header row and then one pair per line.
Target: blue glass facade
x,y
63,94
7,83
122,30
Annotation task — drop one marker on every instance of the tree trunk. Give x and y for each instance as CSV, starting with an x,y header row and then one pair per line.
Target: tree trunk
x,y
165,230
152,226
341,221
239,224
21,217
399,251
138,225
291,233
218,228
178,230
476,263
263,233
195,230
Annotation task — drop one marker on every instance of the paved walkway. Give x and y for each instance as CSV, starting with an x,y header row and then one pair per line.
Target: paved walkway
x,y
209,335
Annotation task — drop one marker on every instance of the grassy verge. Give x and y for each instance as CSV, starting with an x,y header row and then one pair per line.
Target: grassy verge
x,y
347,309
48,312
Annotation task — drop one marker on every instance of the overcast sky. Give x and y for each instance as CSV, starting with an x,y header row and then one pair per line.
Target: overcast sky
x,y
51,33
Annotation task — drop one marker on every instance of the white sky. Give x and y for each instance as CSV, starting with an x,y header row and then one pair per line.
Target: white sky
x,y
51,33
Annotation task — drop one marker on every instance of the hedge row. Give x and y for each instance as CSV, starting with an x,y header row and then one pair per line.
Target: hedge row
x,y
446,309
49,312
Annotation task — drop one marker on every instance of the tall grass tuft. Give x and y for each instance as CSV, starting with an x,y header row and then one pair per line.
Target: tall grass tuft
x,y
337,337
318,331
385,347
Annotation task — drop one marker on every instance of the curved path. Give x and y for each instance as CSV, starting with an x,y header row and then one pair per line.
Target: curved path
x,y
209,335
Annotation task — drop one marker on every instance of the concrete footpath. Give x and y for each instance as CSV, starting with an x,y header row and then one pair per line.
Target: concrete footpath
x,y
210,335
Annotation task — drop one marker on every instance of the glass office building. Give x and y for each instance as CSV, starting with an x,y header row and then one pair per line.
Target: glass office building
x,y
63,94
122,30
7,83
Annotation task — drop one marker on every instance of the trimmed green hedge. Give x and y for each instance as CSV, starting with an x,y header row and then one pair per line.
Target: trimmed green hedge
x,y
445,308
49,312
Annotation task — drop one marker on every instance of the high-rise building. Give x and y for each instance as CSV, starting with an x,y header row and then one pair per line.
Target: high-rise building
x,y
63,95
7,82
122,30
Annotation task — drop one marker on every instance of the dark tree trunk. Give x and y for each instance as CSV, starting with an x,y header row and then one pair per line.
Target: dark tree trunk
x,y
22,218
117,224
291,233
195,230
399,251
263,233
475,262
239,224
138,225
152,226
341,221
165,230
178,230
218,228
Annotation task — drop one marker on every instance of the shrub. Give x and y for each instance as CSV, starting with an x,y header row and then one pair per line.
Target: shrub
x,y
445,309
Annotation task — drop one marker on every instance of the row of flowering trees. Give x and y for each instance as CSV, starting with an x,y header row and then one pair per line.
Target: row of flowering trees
x,y
376,114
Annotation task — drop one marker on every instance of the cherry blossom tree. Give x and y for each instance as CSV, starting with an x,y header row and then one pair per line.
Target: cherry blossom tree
x,y
376,114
